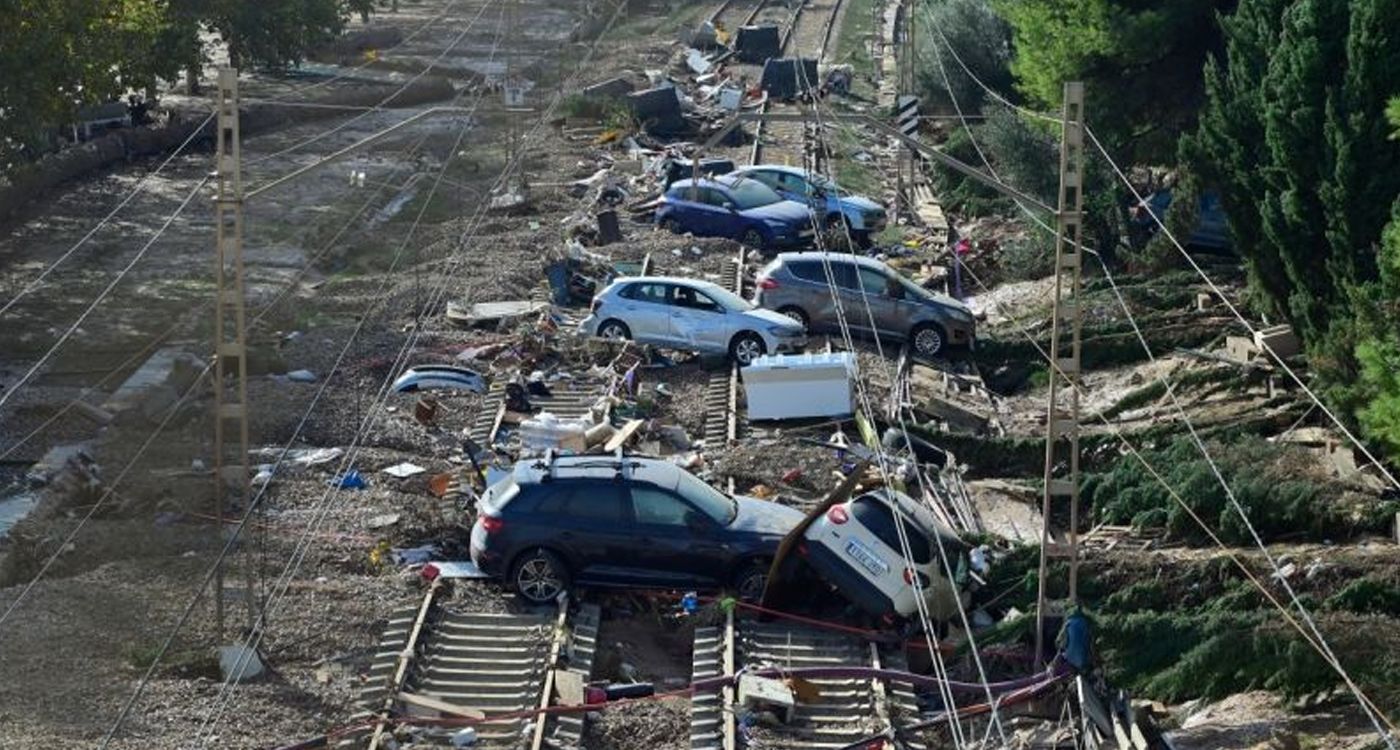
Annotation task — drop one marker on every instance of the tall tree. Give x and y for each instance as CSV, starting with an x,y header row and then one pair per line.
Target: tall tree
x,y
1295,138
1141,61
59,55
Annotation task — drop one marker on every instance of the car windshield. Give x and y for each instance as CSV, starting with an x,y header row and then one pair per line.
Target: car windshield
x,y
727,299
914,290
714,503
753,194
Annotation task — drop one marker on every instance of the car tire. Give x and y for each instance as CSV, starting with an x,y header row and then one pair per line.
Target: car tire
x,y
797,314
750,581
928,340
746,347
753,238
672,226
614,330
539,576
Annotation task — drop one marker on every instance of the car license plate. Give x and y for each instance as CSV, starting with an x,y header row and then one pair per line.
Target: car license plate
x,y
866,557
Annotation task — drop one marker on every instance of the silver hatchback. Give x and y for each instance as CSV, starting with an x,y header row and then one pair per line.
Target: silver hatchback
x,y
799,285
690,314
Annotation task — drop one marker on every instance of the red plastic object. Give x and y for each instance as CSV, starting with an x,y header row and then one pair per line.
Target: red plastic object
x,y
593,696
791,475
837,514
429,572
767,283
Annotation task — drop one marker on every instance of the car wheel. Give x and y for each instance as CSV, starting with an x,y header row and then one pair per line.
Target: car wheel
x,y
746,347
753,238
751,580
928,340
672,226
615,330
797,314
539,577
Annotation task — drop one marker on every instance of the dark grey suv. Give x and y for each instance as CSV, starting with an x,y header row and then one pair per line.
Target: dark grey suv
x,y
622,521
799,286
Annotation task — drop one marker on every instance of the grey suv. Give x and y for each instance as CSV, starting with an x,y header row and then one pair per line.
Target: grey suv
x,y
798,285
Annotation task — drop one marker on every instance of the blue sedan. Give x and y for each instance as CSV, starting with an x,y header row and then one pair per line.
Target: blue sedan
x,y
735,207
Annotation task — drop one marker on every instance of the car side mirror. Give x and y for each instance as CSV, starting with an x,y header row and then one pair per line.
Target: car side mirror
x,y
729,205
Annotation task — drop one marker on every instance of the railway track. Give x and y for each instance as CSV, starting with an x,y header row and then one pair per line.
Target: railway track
x,y
723,425
809,28
731,14
845,711
439,661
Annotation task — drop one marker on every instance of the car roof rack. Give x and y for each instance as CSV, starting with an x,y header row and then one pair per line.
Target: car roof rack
x,y
618,462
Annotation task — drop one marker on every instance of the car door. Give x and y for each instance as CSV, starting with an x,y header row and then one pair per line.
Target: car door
x,y
690,209
697,321
816,297
796,187
667,531
884,306
588,520
848,284
646,310
723,222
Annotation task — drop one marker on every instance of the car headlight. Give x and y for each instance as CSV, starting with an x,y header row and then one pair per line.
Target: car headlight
x,y
776,224
783,330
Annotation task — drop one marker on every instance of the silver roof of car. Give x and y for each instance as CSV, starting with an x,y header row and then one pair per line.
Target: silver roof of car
x,y
860,260
681,280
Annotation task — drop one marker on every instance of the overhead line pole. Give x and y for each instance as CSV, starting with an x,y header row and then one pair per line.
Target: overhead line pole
x,y
230,333
1062,404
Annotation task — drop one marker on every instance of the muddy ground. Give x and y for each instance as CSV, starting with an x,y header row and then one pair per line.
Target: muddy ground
x,y
338,273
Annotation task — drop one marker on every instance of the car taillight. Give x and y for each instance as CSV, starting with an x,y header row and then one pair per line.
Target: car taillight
x,y
491,524
837,514
908,575
767,283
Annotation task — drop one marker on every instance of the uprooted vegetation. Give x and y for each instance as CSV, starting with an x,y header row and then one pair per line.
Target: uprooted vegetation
x,y
1285,495
1174,626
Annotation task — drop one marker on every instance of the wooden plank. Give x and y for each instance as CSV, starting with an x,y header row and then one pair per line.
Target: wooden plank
x,y
405,658
623,435
547,695
441,706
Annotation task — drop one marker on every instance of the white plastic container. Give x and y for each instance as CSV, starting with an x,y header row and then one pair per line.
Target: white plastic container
x,y
544,431
799,386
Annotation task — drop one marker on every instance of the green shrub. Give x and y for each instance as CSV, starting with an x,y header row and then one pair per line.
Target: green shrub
x,y
1367,596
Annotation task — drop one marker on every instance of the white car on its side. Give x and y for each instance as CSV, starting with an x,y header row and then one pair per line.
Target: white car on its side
x,y
855,547
691,314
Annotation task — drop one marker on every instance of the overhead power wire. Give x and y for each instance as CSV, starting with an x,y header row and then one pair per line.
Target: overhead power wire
x,y
1238,316
140,183
1317,641
198,382
299,554
25,378
1141,201
925,491
15,387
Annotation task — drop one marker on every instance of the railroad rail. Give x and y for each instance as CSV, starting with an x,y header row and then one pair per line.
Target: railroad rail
x,y
438,661
723,425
